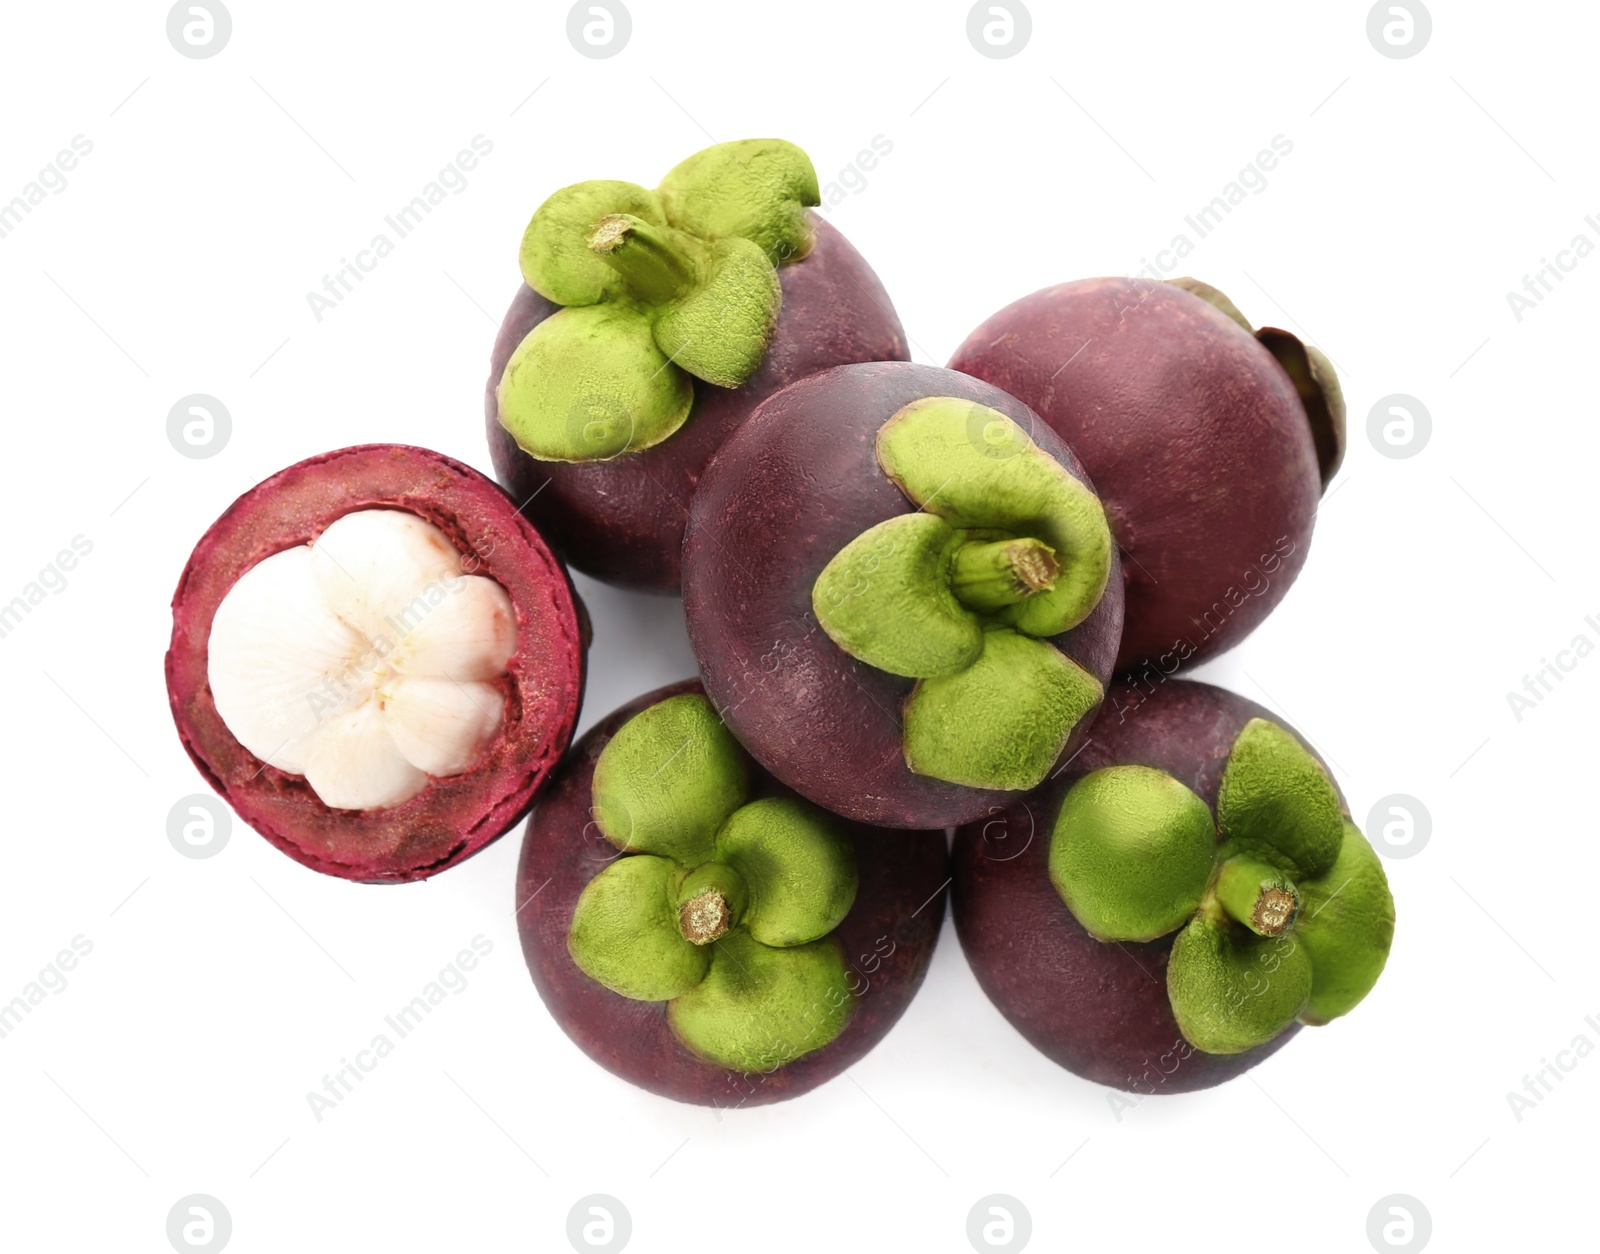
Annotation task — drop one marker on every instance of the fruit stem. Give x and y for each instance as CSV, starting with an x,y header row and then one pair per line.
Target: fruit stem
x,y
643,255
992,575
710,900
1261,897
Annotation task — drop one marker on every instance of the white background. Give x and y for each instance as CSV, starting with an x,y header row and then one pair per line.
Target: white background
x,y
219,992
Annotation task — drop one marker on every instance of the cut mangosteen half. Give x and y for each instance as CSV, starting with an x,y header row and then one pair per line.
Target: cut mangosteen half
x,y
1209,441
375,661
1191,892
903,593
650,326
703,932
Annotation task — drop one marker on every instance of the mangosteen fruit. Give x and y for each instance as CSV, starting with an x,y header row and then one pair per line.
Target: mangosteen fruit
x,y
902,592
1209,443
376,661
701,931
649,326
1169,912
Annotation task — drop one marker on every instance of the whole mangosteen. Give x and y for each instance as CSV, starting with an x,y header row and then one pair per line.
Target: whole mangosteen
x,y
649,327
701,931
1170,911
376,661
902,592
1209,443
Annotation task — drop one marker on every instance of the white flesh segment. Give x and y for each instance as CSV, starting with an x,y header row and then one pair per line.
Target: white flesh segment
x,y
277,659
365,661
469,635
374,562
440,725
352,763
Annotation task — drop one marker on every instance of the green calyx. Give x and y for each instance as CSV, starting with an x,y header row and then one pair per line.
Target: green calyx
x,y
1132,853
668,780
1008,549
759,1007
1317,384
1281,907
1277,804
1003,721
1315,381
625,931
675,284
1346,924
723,906
756,189
1232,990
589,383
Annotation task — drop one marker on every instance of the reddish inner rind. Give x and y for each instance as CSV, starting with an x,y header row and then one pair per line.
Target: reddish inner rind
x,y
1195,438
1099,1009
788,490
887,940
452,817
622,520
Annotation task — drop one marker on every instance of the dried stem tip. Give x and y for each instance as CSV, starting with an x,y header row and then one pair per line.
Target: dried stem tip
x,y
989,576
1261,897
1274,911
705,917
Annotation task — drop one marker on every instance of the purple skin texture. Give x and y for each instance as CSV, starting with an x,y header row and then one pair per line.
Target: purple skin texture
x,y
1196,440
452,818
1098,1009
887,939
622,520
792,487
